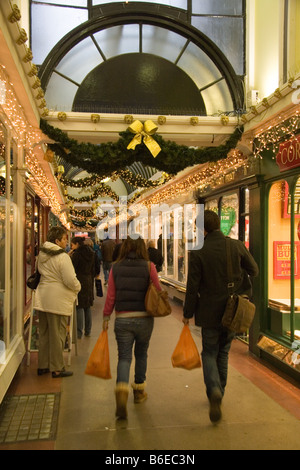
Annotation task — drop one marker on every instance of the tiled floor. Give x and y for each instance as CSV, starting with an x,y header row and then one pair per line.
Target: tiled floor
x,y
261,408
29,417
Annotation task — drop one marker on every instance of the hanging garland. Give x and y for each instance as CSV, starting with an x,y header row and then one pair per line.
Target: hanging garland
x,y
137,181
105,158
100,191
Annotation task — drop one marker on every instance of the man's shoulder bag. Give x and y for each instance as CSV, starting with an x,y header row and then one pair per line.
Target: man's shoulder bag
x,y
239,311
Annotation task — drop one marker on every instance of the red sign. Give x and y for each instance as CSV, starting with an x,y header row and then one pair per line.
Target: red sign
x,y
282,260
289,154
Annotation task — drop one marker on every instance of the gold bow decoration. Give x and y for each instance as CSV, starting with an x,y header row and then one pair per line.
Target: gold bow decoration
x,y
143,133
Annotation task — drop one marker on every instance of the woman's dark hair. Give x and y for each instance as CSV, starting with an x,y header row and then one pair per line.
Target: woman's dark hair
x,y
79,240
137,245
56,233
211,221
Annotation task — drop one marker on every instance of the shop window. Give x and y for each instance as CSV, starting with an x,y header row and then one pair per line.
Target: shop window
x,y
212,205
2,231
12,246
230,215
29,241
168,241
174,245
295,320
280,256
245,216
8,238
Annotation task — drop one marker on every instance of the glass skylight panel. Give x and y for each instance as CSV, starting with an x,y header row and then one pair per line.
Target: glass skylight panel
x,y
217,7
118,40
80,60
60,93
162,42
217,99
70,3
198,66
171,3
50,24
227,34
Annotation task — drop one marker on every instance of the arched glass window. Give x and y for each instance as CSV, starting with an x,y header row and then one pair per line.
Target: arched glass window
x,y
87,35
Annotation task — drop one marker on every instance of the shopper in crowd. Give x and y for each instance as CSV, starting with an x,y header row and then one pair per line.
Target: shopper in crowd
x,y
127,287
84,258
116,251
155,255
54,300
107,250
89,242
206,296
98,251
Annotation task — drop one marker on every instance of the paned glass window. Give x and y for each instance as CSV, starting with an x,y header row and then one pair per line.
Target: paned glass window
x,y
118,40
171,3
49,24
220,7
221,21
227,34
162,42
69,3
80,60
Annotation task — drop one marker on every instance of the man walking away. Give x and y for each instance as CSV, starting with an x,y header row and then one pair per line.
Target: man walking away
x,y
206,297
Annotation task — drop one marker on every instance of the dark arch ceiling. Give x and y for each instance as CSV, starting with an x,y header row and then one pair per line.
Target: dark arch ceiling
x,y
146,81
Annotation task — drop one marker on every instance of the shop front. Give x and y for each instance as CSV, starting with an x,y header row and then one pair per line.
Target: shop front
x,y
279,336
12,346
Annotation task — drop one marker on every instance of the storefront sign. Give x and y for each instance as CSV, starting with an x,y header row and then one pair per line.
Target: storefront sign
x,y
289,154
282,260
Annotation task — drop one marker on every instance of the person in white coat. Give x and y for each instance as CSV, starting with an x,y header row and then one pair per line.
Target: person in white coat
x,y
54,300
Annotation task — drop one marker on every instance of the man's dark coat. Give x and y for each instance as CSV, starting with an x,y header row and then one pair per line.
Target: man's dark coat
x,y
207,291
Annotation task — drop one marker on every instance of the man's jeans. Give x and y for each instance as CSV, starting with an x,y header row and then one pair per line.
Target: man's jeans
x,y
131,331
216,344
106,269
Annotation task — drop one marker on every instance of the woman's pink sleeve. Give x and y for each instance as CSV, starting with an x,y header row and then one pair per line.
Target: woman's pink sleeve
x,y
110,297
154,276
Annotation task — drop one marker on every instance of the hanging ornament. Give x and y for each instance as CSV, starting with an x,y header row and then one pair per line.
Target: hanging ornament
x,y
143,133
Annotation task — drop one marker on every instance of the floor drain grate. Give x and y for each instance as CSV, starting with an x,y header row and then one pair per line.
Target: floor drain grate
x,y
29,417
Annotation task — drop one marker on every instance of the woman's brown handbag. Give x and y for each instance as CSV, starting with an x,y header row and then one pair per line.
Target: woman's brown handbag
x,y
239,311
156,301
98,364
186,354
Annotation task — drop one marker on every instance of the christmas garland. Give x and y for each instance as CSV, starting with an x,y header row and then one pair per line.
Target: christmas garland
x,y
103,159
137,181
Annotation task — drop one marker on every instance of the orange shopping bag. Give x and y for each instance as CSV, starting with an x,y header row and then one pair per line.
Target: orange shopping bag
x,y
186,354
98,364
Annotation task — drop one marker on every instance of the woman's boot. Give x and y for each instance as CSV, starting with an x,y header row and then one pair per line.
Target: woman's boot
x,y
121,392
139,393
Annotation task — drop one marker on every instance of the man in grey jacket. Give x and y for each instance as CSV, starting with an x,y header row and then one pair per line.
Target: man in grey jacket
x,y
206,297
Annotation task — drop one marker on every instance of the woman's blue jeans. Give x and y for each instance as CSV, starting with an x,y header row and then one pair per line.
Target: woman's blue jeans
x,y
216,344
129,332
